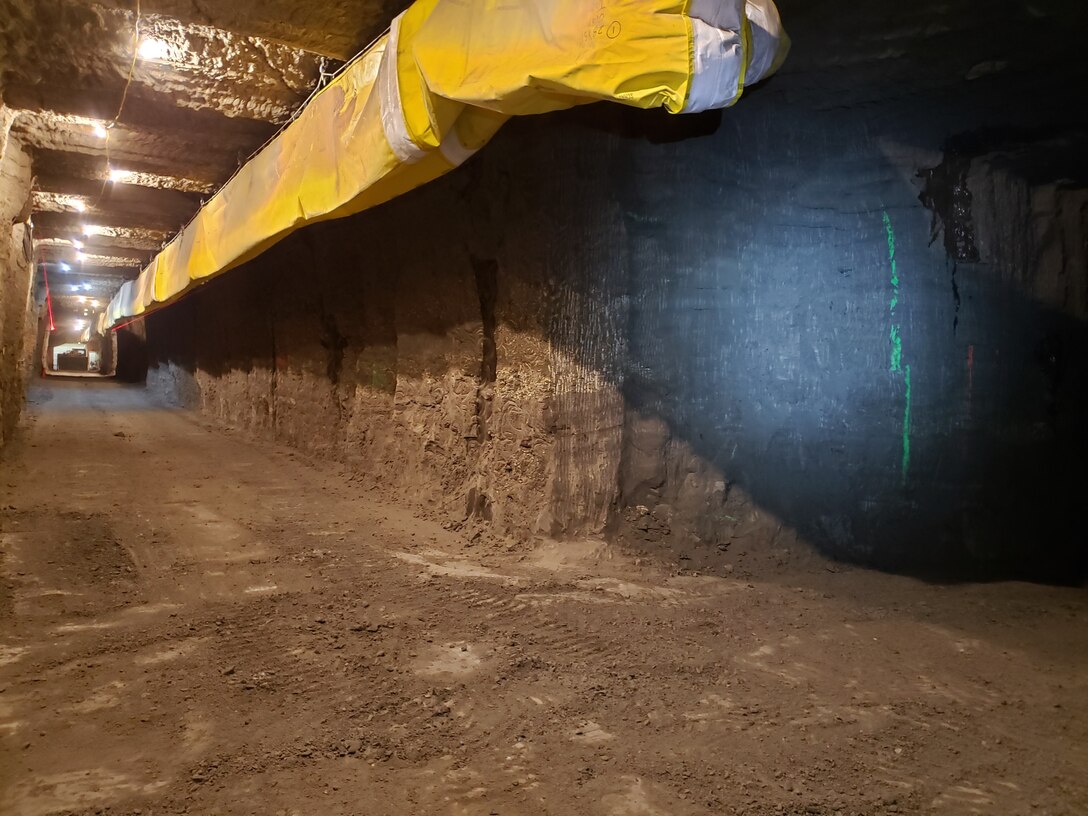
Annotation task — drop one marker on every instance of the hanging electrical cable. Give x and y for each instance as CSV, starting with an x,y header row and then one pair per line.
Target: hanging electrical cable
x,y
48,297
124,98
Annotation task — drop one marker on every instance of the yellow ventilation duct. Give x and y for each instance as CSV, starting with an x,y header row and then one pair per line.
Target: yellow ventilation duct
x,y
436,88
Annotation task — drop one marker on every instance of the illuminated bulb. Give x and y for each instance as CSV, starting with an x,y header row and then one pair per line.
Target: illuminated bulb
x,y
79,206
77,244
153,49
88,229
65,268
86,287
117,175
101,132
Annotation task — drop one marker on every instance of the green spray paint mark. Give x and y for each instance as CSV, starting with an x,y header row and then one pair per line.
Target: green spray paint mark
x,y
906,428
896,363
891,250
897,348
897,343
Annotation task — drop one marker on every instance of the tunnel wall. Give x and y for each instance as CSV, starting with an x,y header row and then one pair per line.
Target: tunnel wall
x,y
851,309
18,321
128,353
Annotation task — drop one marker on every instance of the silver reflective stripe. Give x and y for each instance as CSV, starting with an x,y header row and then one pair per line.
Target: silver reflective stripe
x,y
394,124
724,14
717,65
453,150
719,57
766,38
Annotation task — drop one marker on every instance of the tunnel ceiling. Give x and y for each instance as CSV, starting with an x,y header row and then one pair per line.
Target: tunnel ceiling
x,y
211,80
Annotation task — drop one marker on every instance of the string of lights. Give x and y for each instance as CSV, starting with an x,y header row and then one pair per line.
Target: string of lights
x,y
124,98
104,132
323,80
48,296
153,49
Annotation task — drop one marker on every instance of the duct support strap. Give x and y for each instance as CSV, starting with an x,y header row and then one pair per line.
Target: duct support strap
x,y
436,88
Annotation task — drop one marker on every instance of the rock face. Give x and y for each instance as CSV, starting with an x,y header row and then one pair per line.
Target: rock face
x,y
18,317
851,308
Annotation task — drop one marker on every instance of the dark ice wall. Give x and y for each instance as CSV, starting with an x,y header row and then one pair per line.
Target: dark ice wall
x,y
852,306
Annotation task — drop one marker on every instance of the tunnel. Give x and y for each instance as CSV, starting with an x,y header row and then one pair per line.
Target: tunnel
x,y
620,408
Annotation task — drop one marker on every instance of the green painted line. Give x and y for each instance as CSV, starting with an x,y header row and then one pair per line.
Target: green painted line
x,y
891,250
906,428
891,255
896,362
897,345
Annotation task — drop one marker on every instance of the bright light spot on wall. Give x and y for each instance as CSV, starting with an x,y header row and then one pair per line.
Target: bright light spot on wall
x,y
86,287
143,179
65,268
79,324
77,243
94,304
153,49
81,256
98,229
45,201
100,131
118,176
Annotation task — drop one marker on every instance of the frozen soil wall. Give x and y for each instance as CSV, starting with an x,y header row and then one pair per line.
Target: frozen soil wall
x,y
851,309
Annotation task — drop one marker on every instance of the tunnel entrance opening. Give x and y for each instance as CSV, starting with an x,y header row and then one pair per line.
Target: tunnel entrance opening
x,y
65,354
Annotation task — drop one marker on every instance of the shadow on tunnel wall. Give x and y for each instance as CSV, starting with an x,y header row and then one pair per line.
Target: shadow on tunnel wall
x,y
898,407
811,310
786,287
131,363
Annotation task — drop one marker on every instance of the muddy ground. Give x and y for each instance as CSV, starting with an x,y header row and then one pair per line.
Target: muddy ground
x,y
194,623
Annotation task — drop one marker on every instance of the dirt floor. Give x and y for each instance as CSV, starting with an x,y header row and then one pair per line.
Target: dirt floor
x,y
194,623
